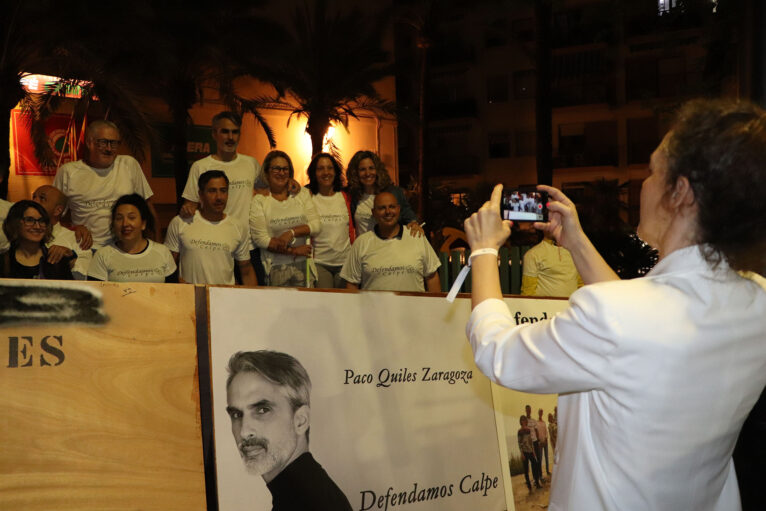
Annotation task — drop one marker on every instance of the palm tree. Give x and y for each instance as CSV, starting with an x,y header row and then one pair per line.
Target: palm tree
x,y
327,69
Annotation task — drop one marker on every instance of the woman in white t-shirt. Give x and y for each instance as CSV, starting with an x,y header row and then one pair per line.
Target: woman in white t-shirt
x,y
282,224
332,244
367,176
132,256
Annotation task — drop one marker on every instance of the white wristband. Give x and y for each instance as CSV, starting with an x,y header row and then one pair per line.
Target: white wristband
x,y
464,272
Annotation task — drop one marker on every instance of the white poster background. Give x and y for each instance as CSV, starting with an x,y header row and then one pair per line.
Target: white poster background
x,y
368,438
511,404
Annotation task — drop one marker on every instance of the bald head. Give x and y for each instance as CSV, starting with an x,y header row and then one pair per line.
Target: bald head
x,y
52,199
386,210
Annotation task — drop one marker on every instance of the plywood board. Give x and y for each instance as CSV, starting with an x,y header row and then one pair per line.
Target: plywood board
x,y
103,417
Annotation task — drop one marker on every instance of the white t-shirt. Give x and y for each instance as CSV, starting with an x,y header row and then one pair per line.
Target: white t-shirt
x,y
65,238
208,249
270,217
92,192
363,219
152,265
331,245
396,264
4,207
243,173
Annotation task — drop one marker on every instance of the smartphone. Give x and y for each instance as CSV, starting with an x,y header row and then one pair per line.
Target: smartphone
x,y
525,204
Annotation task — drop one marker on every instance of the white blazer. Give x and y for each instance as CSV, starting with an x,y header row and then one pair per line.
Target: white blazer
x,y
657,375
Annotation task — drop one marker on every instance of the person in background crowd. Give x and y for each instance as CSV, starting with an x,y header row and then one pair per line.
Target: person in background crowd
x,y
206,245
553,432
532,423
63,242
332,243
243,171
524,437
657,374
390,258
548,270
367,176
27,228
542,439
93,185
133,257
281,224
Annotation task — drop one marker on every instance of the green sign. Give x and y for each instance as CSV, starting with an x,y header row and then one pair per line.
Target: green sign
x,y
199,143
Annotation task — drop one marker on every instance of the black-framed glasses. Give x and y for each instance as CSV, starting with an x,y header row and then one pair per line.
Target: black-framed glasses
x,y
279,169
30,221
103,143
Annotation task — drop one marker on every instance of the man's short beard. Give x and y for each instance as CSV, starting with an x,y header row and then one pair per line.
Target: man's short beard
x,y
265,462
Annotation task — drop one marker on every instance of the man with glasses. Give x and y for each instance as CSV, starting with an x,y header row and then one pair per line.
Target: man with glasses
x,y
96,182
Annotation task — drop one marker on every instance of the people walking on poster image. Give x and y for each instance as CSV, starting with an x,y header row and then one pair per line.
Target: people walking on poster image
x,y
28,230
207,245
268,398
333,204
636,362
132,256
532,423
542,440
367,176
282,224
94,183
553,432
526,446
63,241
390,258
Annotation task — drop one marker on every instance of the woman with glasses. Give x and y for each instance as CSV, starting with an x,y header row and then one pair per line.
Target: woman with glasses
x,y
333,205
367,176
282,224
28,228
133,257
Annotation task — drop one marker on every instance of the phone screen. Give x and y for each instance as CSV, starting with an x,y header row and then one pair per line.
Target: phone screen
x,y
524,205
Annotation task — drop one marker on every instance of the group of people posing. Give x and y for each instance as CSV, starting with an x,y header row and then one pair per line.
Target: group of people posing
x,y
240,222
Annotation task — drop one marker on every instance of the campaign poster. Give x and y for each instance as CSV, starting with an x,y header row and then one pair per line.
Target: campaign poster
x,y
537,432
399,417
199,143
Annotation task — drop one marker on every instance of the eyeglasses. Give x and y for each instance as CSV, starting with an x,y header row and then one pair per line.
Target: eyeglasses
x,y
279,169
30,221
103,143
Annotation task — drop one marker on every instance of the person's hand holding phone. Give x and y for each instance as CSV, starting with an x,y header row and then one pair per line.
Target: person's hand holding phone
x,y
563,223
485,228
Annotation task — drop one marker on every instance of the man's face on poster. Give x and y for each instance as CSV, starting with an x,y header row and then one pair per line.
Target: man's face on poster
x,y
267,430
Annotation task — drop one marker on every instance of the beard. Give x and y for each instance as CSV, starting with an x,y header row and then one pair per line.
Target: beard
x,y
257,456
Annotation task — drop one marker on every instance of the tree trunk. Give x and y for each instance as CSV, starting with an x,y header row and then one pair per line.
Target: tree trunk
x,y
317,127
543,103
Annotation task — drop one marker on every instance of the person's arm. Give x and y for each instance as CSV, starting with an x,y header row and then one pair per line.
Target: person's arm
x,y
528,285
351,285
57,252
485,229
564,224
433,285
247,272
153,212
178,267
188,208
259,231
81,233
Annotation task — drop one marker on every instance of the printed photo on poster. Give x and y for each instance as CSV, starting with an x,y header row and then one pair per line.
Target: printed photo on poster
x,y
395,415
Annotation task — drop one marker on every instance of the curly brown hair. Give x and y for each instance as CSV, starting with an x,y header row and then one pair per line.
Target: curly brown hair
x,y
720,147
355,188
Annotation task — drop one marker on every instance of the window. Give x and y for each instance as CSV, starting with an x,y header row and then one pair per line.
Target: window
x,y
499,145
497,89
496,34
524,84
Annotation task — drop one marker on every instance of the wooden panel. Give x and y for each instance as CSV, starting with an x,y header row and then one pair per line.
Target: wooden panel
x,y
113,421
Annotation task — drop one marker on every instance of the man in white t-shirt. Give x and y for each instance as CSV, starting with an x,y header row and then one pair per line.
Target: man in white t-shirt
x,y
64,244
388,257
207,244
243,171
93,184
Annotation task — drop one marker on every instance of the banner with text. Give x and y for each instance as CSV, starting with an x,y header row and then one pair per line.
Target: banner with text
x,y
399,416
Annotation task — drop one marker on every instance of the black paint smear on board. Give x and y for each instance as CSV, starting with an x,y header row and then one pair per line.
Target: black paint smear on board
x,y
32,304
